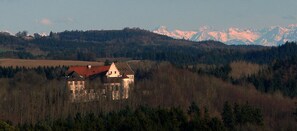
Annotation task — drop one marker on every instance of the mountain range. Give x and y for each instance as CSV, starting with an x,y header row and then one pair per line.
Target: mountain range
x,y
271,36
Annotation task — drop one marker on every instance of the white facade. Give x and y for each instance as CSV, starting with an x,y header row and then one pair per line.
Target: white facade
x,y
113,90
113,71
76,88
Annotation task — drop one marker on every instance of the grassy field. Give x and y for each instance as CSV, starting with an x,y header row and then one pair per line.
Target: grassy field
x,y
36,63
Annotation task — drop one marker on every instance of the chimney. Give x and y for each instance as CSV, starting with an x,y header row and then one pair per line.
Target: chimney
x,y
89,66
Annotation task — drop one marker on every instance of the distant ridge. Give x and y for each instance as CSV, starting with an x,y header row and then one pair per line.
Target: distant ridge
x,y
135,44
271,36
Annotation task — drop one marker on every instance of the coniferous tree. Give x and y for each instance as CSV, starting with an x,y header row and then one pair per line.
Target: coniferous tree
x,y
194,111
228,116
295,112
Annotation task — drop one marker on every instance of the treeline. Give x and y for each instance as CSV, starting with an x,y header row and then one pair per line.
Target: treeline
x,y
238,115
147,118
279,75
127,34
49,72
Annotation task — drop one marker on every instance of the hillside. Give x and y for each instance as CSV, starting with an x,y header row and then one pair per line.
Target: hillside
x,y
36,96
135,44
128,43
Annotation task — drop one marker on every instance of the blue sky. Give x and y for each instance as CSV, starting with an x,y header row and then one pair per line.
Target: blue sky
x,y
60,15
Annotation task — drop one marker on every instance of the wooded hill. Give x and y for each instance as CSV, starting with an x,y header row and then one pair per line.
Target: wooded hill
x,y
130,43
161,99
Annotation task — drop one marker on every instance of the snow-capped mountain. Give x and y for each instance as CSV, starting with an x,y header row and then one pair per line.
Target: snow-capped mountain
x,y
178,34
271,36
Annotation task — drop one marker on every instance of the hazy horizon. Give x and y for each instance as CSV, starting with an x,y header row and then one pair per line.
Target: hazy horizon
x,y
59,15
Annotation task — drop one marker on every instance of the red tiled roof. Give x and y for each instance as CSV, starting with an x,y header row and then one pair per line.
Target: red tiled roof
x,y
86,72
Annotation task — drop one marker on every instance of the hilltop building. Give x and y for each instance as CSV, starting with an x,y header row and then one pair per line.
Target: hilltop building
x,y
87,83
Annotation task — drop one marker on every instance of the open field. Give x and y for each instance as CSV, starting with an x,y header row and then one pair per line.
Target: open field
x,y
36,63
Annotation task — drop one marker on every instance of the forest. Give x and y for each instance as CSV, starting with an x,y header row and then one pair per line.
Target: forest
x,y
179,84
164,97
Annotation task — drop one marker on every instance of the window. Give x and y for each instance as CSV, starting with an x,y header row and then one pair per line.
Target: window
x,y
71,91
75,82
115,72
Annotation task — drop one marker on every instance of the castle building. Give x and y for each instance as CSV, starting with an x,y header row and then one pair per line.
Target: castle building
x,y
87,83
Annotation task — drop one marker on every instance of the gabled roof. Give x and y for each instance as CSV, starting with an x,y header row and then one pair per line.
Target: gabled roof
x,y
124,68
74,76
87,71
